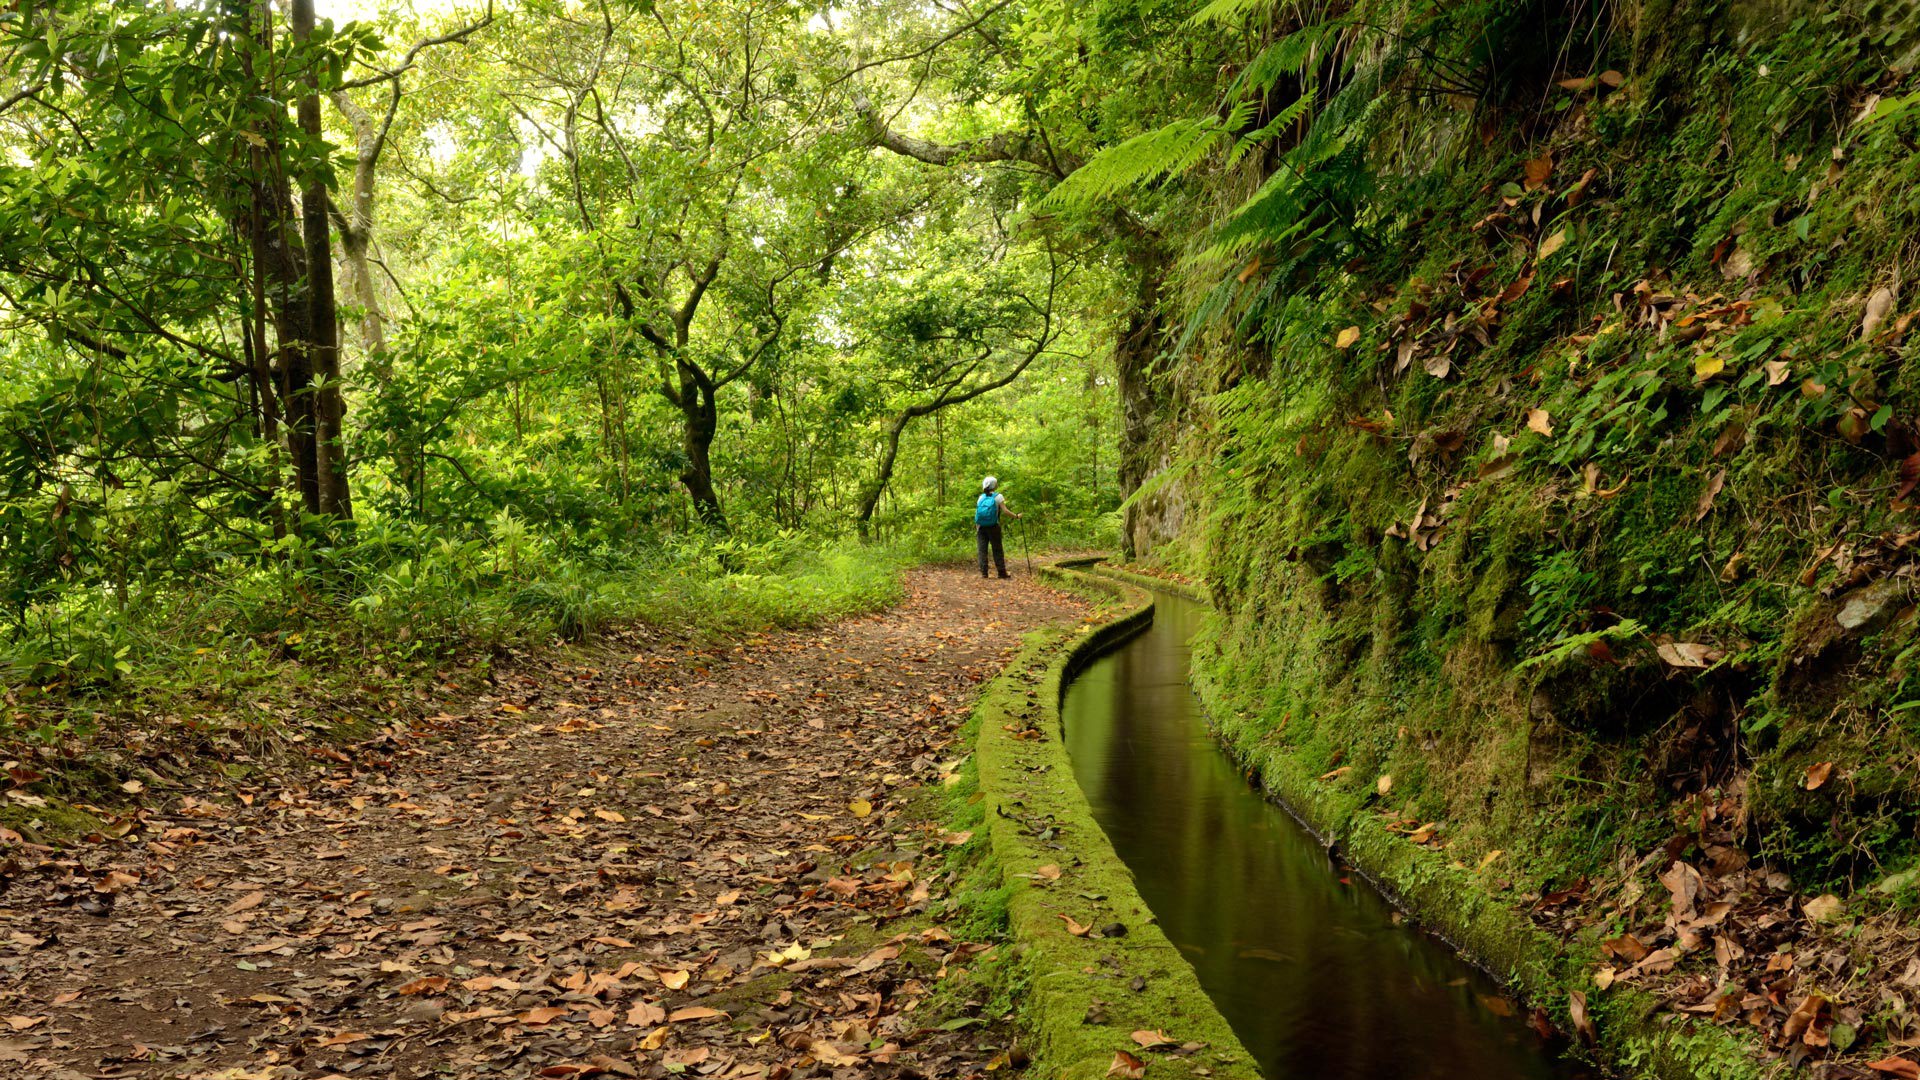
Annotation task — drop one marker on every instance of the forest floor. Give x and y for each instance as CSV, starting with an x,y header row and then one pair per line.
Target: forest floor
x,y
724,863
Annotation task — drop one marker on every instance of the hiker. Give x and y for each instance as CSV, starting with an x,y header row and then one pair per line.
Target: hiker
x,y
987,511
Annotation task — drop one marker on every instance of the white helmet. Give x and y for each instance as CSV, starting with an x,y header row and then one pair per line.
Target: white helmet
x,y
989,483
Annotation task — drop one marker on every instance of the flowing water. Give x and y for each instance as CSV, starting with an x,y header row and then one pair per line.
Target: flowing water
x,y
1306,961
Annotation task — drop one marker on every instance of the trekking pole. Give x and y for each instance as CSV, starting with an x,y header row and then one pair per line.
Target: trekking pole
x,y
1027,548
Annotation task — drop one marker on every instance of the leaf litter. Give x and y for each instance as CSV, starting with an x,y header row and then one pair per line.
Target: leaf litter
x,y
686,863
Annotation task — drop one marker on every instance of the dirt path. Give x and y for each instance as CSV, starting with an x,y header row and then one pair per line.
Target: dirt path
x,y
674,863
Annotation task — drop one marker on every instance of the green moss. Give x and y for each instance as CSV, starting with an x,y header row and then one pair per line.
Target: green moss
x,y
1036,816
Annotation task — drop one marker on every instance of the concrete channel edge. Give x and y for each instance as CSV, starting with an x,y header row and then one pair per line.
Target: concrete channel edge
x,y
1097,968
1535,966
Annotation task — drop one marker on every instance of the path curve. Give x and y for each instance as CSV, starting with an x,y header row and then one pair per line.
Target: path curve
x,y
576,876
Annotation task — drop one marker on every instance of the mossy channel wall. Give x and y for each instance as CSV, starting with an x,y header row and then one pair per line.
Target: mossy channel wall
x,y
1087,990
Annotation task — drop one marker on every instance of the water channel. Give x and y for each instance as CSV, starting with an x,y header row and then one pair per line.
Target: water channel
x,y
1306,961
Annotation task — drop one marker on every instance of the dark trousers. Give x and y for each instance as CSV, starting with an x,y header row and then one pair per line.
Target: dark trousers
x,y
990,535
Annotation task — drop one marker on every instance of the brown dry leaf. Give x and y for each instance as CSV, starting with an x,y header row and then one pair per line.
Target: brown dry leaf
x,y
1540,422
614,816
1626,947
1073,927
1824,908
546,1014
22,1023
1346,338
1436,364
1403,354
1577,1010
1553,243
694,1056
1683,887
1803,1016
432,984
342,1039
674,980
1705,505
1050,872
1126,1066
1816,775
1879,306
1895,1066
1538,170
1150,1039
654,1040
646,1014
693,1012
1688,654
248,902
1335,774
1778,371
1384,784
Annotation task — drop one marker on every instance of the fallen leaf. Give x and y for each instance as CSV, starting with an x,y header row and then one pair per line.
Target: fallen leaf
x,y
1778,371
1687,654
1347,337
343,1038
1705,504
22,1023
1817,775
675,980
1538,170
693,1012
646,1014
1384,784
1540,422
1879,306
1126,1066
860,808
432,984
1050,872
1553,243
1825,908
1894,1066
1073,927
1706,366
1438,365
544,1015
1150,1039
1577,1010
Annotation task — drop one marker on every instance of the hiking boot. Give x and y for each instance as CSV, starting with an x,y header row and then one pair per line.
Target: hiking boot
x,y
1005,576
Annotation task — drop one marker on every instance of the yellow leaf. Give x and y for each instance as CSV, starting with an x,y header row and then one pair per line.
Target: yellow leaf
x,y
1384,784
1487,859
860,808
1540,422
675,980
1347,337
1553,243
1706,367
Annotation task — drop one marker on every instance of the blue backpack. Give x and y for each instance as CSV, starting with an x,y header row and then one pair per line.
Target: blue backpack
x,y
987,510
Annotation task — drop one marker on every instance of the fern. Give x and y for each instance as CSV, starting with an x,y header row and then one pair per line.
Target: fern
x,y
1289,56
1227,12
1282,120
1145,158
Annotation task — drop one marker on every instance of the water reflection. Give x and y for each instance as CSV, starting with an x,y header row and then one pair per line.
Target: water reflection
x,y
1306,963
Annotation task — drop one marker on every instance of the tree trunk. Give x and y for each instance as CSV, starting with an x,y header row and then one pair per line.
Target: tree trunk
x,y
870,498
323,343
702,422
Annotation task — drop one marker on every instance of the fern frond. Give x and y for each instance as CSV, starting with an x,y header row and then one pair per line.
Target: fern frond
x,y
1227,12
1141,160
1282,120
1289,56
